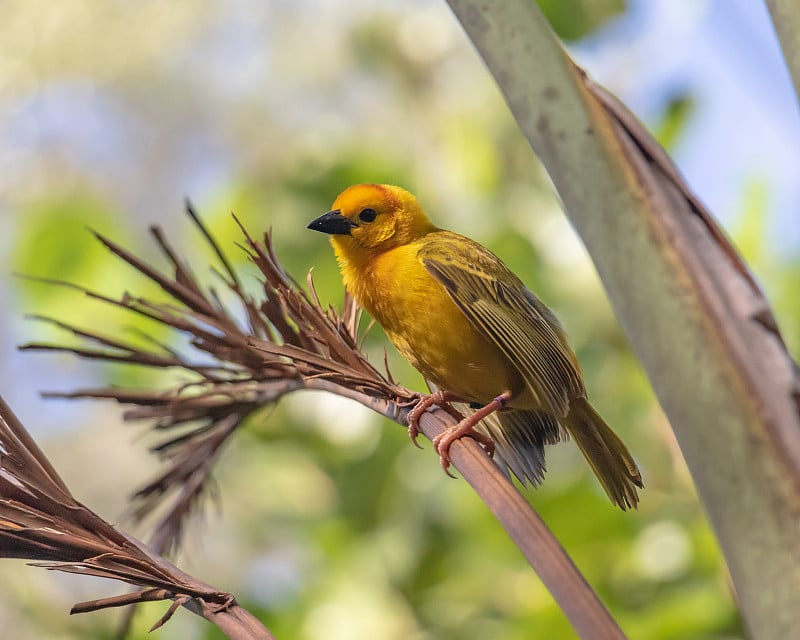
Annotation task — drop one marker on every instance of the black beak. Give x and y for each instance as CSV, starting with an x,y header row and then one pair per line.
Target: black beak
x,y
334,223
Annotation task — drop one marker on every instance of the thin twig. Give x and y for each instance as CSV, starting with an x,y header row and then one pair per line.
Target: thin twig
x,y
41,521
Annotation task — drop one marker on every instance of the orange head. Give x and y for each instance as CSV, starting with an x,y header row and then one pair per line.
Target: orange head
x,y
367,219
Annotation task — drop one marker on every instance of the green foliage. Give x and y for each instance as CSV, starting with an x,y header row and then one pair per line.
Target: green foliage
x,y
676,115
55,241
53,227
777,273
576,19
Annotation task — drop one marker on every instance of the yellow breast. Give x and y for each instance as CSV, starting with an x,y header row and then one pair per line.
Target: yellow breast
x,y
426,326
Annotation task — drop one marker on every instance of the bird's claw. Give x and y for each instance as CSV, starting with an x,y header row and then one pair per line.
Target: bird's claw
x,y
423,403
413,433
442,442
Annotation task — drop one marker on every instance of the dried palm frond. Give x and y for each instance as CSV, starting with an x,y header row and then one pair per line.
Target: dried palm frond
x,y
260,351
41,521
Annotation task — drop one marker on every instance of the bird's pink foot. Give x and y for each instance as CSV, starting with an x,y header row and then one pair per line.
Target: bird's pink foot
x,y
465,428
438,398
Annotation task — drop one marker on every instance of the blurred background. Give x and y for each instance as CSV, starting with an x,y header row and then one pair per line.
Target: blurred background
x,y
328,522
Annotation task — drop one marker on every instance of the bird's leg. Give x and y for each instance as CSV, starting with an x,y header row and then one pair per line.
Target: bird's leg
x,y
466,427
439,398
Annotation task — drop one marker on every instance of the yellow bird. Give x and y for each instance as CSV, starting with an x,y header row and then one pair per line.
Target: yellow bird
x,y
477,334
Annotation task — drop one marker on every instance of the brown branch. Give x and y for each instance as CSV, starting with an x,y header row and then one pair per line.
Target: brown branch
x,y
290,343
41,521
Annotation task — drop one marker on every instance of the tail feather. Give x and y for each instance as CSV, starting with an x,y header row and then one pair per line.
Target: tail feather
x,y
519,438
606,454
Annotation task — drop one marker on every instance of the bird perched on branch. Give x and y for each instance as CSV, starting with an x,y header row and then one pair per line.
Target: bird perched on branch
x,y
477,334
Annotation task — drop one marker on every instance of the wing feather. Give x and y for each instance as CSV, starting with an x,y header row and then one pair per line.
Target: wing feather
x,y
500,306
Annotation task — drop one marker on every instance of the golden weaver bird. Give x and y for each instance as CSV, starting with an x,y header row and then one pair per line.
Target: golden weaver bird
x,y
475,332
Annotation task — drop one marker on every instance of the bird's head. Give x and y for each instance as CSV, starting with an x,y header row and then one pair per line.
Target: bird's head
x,y
367,219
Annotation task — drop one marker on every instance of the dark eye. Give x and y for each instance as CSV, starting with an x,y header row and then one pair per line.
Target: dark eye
x,y
367,215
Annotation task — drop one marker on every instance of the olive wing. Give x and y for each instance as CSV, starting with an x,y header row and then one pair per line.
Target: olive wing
x,y
506,312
